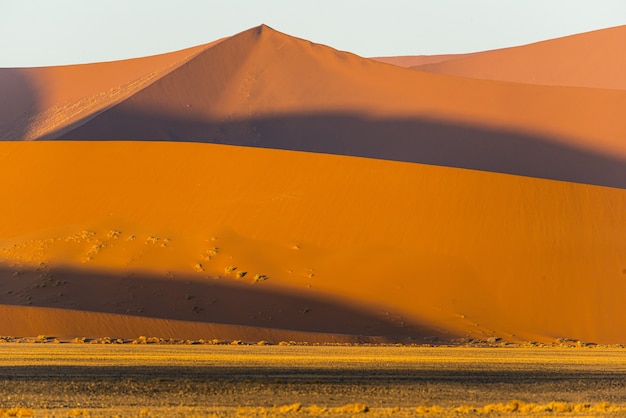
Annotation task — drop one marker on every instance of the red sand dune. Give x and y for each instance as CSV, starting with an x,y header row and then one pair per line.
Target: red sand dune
x,y
130,235
593,59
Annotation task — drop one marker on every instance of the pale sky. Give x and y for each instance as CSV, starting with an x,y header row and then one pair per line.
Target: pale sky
x,y
56,32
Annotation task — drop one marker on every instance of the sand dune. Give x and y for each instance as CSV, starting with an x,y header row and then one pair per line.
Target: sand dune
x,y
51,99
265,89
136,220
70,323
592,59
409,61
395,249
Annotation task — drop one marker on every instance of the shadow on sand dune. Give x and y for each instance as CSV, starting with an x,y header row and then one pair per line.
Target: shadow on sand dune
x,y
18,104
208,300
408,140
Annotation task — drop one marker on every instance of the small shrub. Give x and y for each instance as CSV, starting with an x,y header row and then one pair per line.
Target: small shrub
x,y
316,410
17,412
260,278
114,234
152,240
355,408
141,340
241,274
285,409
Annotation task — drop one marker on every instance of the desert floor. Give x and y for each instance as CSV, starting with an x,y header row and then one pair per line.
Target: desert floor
x,y
243,380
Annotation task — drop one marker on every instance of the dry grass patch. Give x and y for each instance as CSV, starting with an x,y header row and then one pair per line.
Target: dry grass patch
x,y
516,407
285,409
300,410
355,408
17,412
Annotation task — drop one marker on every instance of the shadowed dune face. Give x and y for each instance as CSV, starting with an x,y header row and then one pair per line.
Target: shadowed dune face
x,y
209,300
39,100
409,140
18,104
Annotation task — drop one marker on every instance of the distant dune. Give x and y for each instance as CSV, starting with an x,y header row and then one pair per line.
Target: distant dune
x,y
592,59
417,60
219,192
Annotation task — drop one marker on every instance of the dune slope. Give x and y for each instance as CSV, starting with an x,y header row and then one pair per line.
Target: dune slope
x,y
265,89
41,100
328,244
409,61
592,59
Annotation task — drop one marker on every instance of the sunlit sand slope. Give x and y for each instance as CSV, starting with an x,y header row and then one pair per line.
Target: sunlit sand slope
x,y
329,244
265,89
592,59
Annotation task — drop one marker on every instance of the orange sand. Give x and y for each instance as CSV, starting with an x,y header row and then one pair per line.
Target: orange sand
x,y
592,59
48,100
436,250
265,89
132,234
410,61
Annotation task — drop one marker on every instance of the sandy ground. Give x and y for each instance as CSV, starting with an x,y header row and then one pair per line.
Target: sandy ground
x,y
154,380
